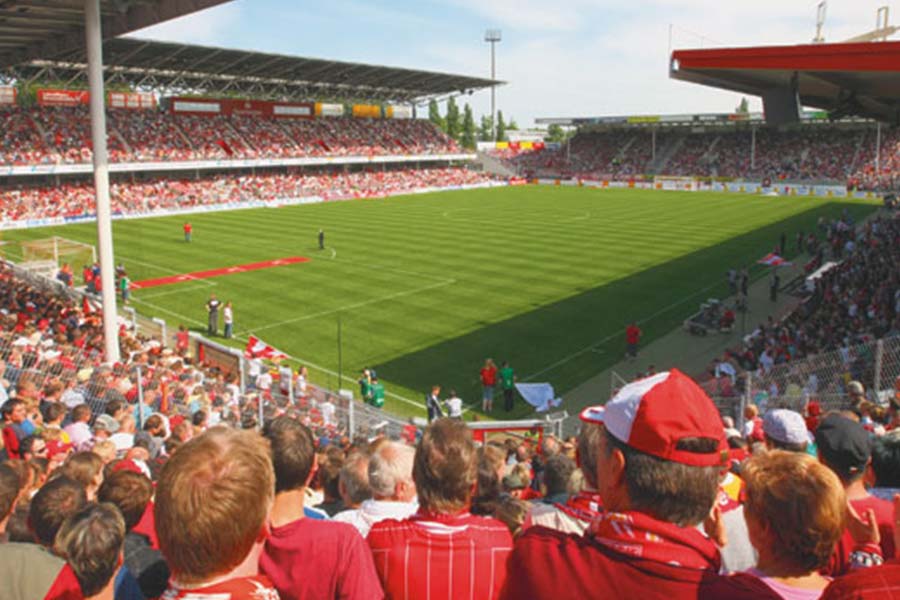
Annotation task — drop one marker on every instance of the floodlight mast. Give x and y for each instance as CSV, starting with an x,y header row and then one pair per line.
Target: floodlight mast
x,y
821,11
493,37
94,42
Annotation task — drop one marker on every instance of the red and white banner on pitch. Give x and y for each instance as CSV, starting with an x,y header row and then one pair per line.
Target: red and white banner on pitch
x,y
773,260
256,348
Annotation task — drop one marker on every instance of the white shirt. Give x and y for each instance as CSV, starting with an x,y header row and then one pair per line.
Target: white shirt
x,y
374,511
328,409
264,381
228,316
122,441
454,407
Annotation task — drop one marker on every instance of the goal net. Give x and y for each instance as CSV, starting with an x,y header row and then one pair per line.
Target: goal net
x,y
49,253
671,182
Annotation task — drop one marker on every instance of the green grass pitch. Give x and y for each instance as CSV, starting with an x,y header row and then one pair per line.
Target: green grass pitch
x,y
427,286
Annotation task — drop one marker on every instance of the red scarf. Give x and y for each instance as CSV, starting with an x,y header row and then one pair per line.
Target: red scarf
x,y
641,536
584,506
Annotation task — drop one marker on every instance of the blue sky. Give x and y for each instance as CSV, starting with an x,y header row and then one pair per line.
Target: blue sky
x,y
561,58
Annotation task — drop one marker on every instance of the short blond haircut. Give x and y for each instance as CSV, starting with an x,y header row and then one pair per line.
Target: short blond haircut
x,y
799,503
212,502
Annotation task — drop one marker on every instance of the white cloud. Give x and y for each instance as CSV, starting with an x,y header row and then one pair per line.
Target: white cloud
x,y
205,27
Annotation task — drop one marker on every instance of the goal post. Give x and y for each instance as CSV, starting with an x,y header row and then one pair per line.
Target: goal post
x,y
676,183
55,250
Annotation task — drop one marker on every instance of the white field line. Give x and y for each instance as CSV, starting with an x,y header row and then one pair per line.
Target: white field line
x,y
206,282
332,311
300,360
172,292
591,348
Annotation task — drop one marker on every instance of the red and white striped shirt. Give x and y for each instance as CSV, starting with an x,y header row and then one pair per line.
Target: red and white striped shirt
x,y
437,557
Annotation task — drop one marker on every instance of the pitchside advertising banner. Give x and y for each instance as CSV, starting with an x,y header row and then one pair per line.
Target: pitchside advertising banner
x,y
246,108
54,97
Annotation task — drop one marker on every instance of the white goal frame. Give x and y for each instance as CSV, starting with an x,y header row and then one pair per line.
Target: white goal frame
x,y
676,183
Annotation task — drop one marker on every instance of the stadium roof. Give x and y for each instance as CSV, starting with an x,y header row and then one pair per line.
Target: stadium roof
x,y
180,68
684,120
40,28
844,79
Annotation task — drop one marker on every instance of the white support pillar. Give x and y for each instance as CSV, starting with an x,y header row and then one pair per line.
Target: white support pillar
x,y
94,40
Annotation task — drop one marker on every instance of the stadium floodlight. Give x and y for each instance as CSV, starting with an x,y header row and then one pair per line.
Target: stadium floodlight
x,y
493,37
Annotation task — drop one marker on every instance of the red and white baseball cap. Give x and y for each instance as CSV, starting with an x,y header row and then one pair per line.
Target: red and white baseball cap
x,y
653,414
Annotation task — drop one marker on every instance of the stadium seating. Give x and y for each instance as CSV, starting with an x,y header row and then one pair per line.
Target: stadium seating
x,y
61,135
77,199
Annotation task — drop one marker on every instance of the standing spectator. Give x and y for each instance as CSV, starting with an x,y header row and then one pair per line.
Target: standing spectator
x,y
78,430
212,309
13,412
228,320
632,339
321,239
10,490
376,390
132,492
454,405
182,340
658,465
846,448
393,489
488,382
328,478
307,558
188,231
883,474
774,282
795,512
125,287
91,541
216,552
508,384
442,547
433,404
577,512
353,481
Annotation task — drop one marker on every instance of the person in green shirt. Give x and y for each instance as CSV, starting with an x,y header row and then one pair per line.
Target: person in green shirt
x,y
507,383
377,392
365,386
124,285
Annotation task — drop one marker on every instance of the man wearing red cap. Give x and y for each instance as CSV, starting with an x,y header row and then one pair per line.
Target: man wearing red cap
x,y
658,468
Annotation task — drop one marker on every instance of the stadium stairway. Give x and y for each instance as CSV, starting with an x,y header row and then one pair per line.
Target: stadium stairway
x,y
664,154
494,166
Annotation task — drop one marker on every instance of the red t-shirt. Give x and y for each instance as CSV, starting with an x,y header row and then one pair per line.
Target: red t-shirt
x,y
884,515
632,334
550,565
187,227
875,583
65,586
441,556
489,376
242,588
320,559
11,442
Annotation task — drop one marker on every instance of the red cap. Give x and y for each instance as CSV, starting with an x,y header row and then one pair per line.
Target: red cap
x,y
653,414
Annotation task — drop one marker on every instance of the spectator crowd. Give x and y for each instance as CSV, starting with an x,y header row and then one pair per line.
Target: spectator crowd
x,y
20,203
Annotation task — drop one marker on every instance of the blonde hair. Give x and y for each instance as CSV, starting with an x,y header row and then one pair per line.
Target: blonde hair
x,y
212,502
106,450
512,513
799,503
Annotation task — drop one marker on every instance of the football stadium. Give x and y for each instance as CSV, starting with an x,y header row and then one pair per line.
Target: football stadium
x,y
274,326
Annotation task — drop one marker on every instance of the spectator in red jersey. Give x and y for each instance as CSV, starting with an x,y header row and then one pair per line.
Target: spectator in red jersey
x,y
846,448
796,511
580,509
442,547
309,558
227,475
13,412
188,231
632,339
875,583
658,465
488,382
91,540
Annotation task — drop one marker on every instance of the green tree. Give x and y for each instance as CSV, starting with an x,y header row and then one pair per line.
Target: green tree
x,y
485,130
453,122
744,107
434,115
555,133
512,125
468,129
501,127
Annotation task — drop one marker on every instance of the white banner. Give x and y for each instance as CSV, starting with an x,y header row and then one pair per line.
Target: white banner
x,y
539,395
